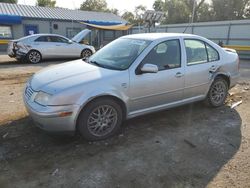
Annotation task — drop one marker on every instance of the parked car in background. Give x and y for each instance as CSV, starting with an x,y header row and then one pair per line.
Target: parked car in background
x,y
37,47
133,75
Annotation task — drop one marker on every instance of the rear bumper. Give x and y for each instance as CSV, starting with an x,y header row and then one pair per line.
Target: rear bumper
x,y
234,79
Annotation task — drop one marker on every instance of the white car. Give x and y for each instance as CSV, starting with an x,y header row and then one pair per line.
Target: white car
x,y
131,76
35,48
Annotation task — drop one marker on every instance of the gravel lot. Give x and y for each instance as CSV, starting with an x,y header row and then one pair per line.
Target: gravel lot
x,y
189,146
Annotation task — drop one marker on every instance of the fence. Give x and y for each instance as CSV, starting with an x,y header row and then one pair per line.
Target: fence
x,y
234,34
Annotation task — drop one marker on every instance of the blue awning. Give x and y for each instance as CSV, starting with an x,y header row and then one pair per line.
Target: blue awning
x,y
10,19
103,23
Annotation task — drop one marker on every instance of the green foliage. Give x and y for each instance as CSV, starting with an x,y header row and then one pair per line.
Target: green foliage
x,y
180,11
94,5
129,17
136,17
230,9
46,3
9,1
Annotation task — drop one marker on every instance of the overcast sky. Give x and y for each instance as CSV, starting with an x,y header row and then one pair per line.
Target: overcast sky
x,y
121,5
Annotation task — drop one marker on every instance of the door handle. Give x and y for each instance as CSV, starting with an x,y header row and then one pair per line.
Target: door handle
x,y
178,75
213,68
58,45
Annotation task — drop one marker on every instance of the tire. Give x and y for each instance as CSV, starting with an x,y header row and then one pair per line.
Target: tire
x,y
217,93
86,54
94,125
34,57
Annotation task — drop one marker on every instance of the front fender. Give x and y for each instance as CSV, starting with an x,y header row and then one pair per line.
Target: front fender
x,y
85,99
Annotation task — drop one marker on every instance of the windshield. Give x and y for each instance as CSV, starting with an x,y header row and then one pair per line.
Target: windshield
x,y
119,54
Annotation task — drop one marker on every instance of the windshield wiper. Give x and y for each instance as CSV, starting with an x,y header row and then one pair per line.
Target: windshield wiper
x,y
101,65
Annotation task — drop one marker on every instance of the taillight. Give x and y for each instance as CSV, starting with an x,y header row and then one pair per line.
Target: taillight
x,y
238,61
15,45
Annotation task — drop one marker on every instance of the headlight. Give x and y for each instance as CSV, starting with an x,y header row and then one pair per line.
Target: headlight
x,y
42,98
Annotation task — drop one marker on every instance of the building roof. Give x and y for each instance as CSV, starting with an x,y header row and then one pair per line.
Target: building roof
x,y
27,11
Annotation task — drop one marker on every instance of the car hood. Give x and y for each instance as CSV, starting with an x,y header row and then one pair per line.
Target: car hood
x,y
81,35
60,77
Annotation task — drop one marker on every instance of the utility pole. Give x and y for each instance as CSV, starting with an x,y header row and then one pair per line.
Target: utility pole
x,y
192,21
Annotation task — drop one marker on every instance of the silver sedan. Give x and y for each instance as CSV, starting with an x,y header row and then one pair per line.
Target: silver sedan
x,y
35,48
134,75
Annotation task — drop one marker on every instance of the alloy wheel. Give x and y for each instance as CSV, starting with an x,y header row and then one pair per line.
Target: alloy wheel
x,y
102,120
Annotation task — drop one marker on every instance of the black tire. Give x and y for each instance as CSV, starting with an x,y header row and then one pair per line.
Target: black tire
x,y
34,57
217,93
90,124
86,53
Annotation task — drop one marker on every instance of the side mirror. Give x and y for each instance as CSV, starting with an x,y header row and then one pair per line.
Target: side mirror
x,y
149,68
70,41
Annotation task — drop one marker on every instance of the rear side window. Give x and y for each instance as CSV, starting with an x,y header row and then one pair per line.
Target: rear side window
x,y
200,52
213,55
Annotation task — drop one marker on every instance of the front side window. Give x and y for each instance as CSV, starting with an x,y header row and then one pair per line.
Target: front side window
x,y
58,39
166,55
196,52
42,39
119,54
5,32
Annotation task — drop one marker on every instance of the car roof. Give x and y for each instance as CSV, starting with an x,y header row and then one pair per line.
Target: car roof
x,y
38,35
156,36
46,34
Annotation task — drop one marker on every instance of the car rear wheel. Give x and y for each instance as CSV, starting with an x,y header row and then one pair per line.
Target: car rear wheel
x,y
100,119
86,54
217,93
34,57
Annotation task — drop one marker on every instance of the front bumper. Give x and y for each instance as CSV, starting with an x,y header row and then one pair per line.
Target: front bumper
x,y
49,118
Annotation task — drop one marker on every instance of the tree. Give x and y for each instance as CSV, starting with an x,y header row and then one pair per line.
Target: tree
x,y
9,1
159,5
139,12
135,18
46,3
230,9
129,16
194,4
114,11
94,5
180,11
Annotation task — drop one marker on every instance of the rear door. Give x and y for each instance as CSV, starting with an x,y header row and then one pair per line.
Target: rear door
x,y
43,45
201,61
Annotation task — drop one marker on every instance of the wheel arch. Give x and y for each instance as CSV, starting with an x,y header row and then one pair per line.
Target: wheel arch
x,y
226,77
115,98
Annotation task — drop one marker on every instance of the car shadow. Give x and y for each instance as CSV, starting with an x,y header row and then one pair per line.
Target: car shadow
x,y
182,147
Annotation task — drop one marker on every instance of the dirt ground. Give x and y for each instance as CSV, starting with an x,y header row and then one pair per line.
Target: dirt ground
x,y
189,146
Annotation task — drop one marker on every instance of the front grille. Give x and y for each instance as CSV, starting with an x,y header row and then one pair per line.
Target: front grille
x,y
28,92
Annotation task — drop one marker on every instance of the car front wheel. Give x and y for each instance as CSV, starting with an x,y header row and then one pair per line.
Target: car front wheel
x,y
100,119
86,54
34,57
217,93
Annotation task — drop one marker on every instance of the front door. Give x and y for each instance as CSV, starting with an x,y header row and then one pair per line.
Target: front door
x,y
153,90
